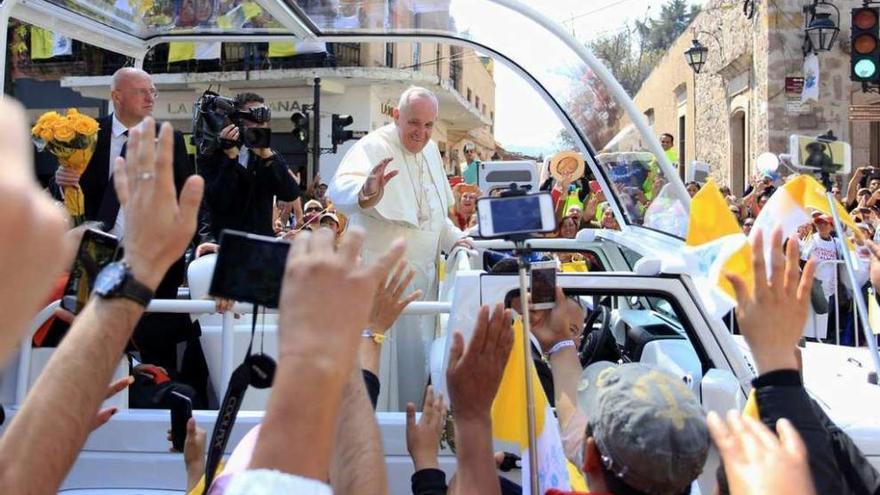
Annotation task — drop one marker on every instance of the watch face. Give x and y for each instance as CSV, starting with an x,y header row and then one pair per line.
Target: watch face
x,y
110,278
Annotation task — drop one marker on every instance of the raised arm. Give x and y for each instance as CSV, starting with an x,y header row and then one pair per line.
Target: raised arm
x,y
473,377
43,440
317,349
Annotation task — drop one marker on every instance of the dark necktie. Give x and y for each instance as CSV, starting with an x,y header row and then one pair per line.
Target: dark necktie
x,y
109,209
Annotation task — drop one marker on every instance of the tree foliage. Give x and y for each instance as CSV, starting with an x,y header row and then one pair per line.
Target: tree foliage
x,y
661,33
632,52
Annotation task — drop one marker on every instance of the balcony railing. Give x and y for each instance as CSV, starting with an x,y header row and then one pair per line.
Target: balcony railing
x,y
91,61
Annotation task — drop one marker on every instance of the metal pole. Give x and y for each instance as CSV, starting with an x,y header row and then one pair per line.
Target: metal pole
x,y
836,307
858,297
527,356
316,133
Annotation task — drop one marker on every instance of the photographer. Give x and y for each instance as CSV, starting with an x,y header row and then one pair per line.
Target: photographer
x,y
243,177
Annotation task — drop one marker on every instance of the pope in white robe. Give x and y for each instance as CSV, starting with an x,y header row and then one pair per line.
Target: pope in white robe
x,y
392,184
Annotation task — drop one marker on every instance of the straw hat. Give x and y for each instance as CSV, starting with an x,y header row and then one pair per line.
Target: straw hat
x,y
567,163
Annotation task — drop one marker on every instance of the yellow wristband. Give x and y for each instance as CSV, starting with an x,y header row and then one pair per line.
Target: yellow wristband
x,y
376,337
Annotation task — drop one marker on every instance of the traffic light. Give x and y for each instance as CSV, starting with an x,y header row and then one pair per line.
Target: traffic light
x,y
300,126
865,58
339,134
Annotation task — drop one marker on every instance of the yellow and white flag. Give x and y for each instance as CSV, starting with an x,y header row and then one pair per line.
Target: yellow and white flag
x,y
510,424
792,205
47,44
715,245
180,51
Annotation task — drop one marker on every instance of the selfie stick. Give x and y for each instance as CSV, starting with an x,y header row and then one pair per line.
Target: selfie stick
x,y
522,251
857,291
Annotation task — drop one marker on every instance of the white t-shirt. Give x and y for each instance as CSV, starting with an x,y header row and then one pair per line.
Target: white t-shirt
x,y
823,250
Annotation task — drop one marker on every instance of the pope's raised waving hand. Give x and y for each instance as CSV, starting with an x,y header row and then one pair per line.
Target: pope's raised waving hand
x,y
374,187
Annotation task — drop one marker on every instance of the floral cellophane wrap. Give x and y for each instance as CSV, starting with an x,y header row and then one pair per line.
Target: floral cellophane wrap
x,y
72,139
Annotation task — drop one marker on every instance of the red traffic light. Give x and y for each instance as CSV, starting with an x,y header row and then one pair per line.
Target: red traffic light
x,y
865,19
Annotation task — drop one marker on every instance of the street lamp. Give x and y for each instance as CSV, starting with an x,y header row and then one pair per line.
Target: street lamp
x,y
696,55
821,25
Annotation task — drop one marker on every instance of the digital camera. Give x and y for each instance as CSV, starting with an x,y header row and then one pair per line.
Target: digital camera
x,y
212,112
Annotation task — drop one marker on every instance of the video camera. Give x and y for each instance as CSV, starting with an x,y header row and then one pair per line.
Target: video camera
x,y
212,112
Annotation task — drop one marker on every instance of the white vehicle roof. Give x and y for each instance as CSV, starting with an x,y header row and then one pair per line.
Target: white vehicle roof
x,y
589,101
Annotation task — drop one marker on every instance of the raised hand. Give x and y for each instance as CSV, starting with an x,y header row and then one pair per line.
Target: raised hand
x,y
756,462
34,249
474,372
772,314
105,414
389,301
157,227
374,187
309,328
423,438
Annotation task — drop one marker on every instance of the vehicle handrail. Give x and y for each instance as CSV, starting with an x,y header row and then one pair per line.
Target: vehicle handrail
x,y
200,307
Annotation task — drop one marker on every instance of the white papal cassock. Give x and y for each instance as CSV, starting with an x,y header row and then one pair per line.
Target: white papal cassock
x,y
414,207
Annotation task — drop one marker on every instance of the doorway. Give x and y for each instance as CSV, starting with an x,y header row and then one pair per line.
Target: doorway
x,y
738,172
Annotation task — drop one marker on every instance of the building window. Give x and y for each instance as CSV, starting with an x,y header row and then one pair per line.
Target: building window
x,y
455,67
484,109
492,116
470,95
649,115
477,103
417,54
389,54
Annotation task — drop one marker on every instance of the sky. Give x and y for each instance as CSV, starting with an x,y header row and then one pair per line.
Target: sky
x,y
523,120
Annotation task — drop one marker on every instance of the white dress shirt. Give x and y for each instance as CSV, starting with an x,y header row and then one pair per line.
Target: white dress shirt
x,y
117,139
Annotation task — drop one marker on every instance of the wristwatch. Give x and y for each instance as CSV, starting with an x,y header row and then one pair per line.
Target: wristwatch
x,y
116,280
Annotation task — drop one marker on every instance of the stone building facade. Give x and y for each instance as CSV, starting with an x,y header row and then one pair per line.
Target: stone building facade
x,y
746,100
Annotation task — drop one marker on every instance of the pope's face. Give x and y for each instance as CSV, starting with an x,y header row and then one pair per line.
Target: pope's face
x,y
416,123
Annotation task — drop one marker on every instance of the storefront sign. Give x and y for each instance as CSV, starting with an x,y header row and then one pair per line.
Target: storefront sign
x,y
177,110
794,87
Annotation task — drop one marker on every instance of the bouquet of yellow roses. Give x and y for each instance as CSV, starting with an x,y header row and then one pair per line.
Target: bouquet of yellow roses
x,y
72,138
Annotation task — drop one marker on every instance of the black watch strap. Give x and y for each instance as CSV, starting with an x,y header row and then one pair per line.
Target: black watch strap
x,y
135,291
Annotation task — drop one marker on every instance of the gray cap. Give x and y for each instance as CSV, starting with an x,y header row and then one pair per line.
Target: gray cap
x,y
648,426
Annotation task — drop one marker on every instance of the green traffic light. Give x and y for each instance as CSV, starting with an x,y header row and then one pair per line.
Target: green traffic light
x,y
865,68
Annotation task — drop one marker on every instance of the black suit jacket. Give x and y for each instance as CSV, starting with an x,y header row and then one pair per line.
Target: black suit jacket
x,y
96,183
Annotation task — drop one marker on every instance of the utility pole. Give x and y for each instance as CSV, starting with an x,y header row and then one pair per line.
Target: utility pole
x,y
314,164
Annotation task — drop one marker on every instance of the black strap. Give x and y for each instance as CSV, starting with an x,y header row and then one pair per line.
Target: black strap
x,y
238,385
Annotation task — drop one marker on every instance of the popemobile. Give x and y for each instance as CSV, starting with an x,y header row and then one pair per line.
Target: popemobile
x,y
638,288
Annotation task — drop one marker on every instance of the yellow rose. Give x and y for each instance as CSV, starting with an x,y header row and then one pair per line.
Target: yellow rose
x,y
49,118
85,125
46,134
63,130
35,130
72,112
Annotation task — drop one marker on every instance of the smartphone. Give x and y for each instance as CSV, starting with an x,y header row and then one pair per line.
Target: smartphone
x,y
595,187
96,250
513,215
181,411
818,154
249,268
543,285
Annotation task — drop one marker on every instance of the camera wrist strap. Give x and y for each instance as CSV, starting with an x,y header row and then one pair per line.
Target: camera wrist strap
x,y
238,384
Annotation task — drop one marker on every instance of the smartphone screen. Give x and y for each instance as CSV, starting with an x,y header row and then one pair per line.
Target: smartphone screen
x,y
543,285
96,251
249,268
181,411
595,187
511,215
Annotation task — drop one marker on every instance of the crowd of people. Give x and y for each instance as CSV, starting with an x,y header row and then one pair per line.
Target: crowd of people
x,y
627,428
